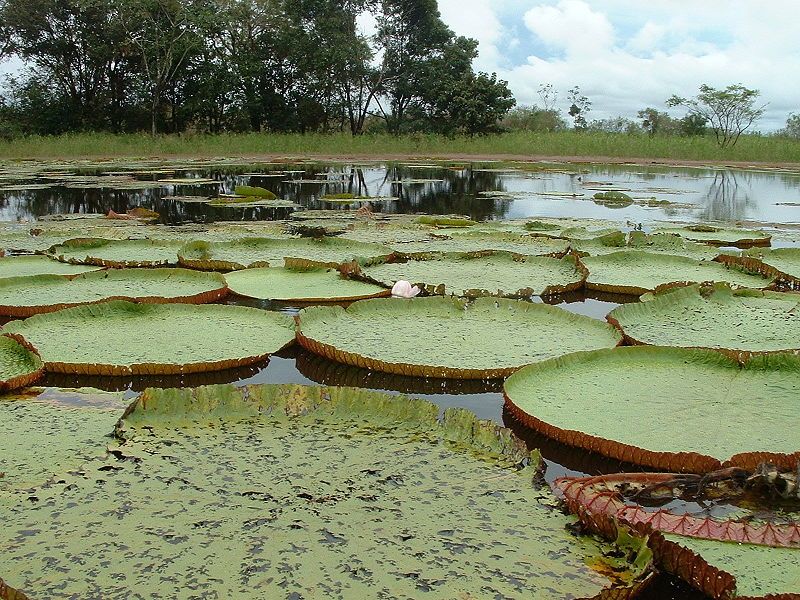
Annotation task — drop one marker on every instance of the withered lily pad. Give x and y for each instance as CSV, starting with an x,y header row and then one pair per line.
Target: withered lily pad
x,y
312,285
492,274
121,338
268,252
743,321
656,406
445,337
19,367
719,236
638,272
26,296
30,266
117,253
322,491
723,558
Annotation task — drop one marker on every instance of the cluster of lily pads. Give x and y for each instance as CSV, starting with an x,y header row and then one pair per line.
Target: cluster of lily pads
x,y
672,382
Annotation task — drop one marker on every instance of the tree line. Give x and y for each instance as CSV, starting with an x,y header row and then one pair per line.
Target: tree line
x,y
170,66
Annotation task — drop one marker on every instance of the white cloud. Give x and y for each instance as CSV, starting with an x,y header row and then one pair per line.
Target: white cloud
x,y
476,19
571,25
627,55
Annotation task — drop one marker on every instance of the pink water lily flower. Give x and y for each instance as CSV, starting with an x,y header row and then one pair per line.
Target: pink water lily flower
x,y
403,289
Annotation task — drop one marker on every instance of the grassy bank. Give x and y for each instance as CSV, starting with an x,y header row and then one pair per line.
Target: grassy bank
x,y
567,144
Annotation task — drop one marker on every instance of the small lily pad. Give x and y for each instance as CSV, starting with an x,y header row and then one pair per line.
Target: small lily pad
x,y
313,285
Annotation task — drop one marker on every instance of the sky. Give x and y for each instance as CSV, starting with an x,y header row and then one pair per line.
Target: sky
x,y
627,55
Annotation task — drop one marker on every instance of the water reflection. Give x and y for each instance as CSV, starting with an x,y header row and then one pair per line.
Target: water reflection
x,y
729,196
535,189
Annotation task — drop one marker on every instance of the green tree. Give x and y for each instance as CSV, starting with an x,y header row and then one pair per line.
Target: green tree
x,y
533,118
792,128
729,111
579,107
656,122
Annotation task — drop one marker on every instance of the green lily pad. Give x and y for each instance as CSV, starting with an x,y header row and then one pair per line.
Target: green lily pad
x,y
479,241
744,321
249,190
719,236
327,492
613,199
26,296
19,367
637,272
445,221
268,252
444,337
30,266
759,571
117,253
54,431
487,274
784,260
121,338
656,406
637,240
314,285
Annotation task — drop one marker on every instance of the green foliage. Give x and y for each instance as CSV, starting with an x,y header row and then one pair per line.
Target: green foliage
x,y
792,128
253,191
567,143
533,118
580,106
730,111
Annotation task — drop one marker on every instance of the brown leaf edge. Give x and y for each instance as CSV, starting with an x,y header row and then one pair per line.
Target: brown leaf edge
x,y
26,379
144,368
351,358
683,462
9,593
784,280
101,262
208,297
603,511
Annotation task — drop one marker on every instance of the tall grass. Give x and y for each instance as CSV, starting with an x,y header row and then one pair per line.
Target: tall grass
x,y
518,144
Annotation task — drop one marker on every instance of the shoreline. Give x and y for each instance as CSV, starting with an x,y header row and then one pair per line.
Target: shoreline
x,y
458,156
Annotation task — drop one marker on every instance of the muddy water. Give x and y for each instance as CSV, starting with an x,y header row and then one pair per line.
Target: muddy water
x,y
535,189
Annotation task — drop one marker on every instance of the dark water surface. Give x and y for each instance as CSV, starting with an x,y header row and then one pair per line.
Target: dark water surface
x,y
541,189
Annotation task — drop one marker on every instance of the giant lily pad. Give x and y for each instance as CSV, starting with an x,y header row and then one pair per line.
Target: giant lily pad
x,y
743,321
637,240
326,492
444,337
656,406
750,571
479,241
637,272
27,266
722,558
267,252
26,296
306,285
121,338
19,367
492,273
783,262
719,236
117,253
54,430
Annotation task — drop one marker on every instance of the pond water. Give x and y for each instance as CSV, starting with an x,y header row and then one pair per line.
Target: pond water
x,y
480,190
